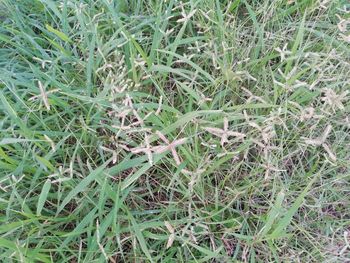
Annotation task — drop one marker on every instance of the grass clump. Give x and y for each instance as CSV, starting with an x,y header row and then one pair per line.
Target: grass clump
x,y
174,131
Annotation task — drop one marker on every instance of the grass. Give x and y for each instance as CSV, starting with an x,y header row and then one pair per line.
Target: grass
x,y
169,131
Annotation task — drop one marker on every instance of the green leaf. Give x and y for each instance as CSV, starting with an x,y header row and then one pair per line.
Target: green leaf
x,y
140,237
12,113
6,141
58,33
288,216
273,214
45,163
82,185
43,196
27,255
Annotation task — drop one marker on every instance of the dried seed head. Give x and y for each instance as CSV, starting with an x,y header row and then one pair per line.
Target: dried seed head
x,y
320,140
331,155
186,17
44,95
334,100
343,24
307,113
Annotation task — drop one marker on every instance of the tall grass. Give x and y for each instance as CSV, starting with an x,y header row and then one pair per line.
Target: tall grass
x,y
174,131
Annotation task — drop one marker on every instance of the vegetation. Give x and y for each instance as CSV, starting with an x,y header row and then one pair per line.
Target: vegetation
x,y
174,131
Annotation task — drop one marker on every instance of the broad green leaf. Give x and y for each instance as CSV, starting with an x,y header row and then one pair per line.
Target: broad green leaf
x,y
43,196
82,185
5,141
273,214
58,33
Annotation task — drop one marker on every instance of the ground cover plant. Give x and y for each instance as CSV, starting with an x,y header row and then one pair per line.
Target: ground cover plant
x,y
174,131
